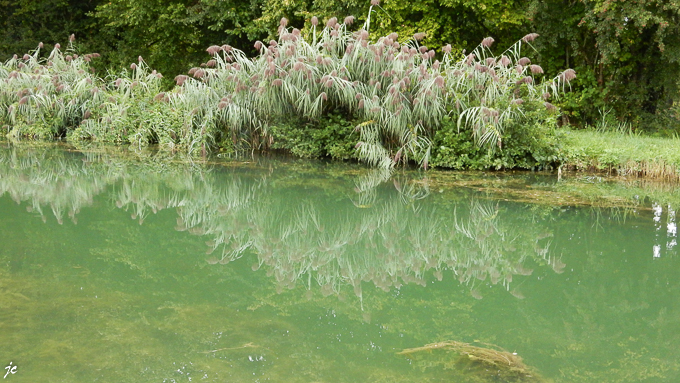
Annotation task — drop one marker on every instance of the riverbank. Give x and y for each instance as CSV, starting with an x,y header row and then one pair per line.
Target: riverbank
x,y
621,154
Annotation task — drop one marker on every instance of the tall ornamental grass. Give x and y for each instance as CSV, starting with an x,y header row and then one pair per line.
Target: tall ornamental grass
x,y
395,89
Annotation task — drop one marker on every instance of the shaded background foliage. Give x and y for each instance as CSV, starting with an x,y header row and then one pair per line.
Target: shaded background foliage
x,y
625,52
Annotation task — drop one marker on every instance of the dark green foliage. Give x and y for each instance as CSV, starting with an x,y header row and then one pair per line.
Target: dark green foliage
x,y
626,54
332,136
25,23
532,144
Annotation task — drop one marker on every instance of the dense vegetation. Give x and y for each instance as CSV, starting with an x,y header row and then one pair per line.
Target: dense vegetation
x,y
625,53
394,102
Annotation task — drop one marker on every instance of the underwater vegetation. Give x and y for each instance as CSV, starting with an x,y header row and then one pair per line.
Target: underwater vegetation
x,y
482,364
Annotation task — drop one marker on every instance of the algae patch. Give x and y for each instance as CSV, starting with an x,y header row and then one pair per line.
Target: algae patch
x,y
480,364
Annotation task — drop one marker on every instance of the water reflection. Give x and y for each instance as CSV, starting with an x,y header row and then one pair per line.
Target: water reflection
x,y
365,227
671,230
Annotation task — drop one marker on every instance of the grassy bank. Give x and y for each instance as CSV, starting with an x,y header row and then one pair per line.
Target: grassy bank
x,y
622,154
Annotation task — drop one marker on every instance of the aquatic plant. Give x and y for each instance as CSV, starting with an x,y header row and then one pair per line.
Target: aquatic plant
x,y
490,363
395,90
42,98
398,92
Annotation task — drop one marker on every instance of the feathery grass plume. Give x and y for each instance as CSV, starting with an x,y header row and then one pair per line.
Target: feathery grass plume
x,y
530,37
487,42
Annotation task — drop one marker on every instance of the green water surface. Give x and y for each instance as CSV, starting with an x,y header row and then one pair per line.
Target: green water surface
x,y
124,266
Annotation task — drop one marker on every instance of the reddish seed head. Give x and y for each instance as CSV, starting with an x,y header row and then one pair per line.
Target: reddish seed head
x,y
133,66
315,21
487,42
349,20
535,69
23,100
283,22
26,57
140,59
331,23
375,2
211,63
530,37
550,106
277,82
568,75
524,61
505,61
40,45
470,59
57,46
72,38
447,48
419,36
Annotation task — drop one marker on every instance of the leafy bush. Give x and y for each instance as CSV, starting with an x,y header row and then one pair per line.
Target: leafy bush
x,y
333,137
532,144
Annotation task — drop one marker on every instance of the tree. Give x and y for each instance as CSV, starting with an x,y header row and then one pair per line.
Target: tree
x,y
25,23
626,53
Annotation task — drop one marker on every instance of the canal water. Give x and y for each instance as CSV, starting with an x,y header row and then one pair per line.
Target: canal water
x,y
141,266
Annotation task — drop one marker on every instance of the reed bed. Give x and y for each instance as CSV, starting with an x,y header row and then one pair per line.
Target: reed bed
x,y
394,89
